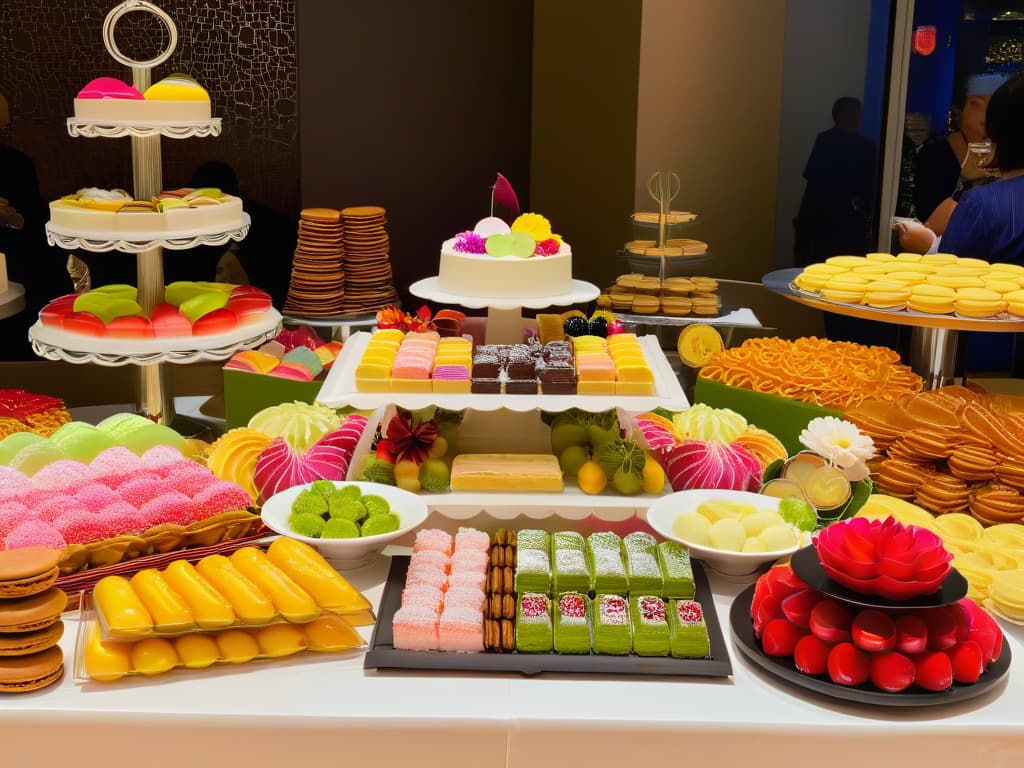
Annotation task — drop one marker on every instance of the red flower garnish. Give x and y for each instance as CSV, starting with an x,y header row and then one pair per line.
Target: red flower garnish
x,y
547,247
393,317
883,558
411,442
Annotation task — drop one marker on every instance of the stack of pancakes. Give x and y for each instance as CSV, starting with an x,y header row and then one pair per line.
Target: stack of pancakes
x,y
368,278
30,625
317,287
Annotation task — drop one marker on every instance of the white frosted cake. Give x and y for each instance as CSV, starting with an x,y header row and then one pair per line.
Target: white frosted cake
x,y
112,212
524,261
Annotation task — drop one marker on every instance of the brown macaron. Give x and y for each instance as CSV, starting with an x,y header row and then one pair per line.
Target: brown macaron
x,y
27,614
22,643
27,571
21,674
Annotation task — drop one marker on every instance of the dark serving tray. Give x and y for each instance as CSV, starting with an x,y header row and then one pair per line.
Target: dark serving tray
x,y
784,668
383,655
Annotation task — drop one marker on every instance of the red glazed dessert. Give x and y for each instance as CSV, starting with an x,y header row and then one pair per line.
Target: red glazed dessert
x,y
883,558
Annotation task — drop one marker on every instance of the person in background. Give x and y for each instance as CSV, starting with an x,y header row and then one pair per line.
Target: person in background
x,y
988,222
835,212
946,168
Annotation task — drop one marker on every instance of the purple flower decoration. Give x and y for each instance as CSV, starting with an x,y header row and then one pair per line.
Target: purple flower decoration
x,y
469,242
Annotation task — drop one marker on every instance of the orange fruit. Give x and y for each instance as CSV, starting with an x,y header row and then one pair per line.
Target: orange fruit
x,y
591,478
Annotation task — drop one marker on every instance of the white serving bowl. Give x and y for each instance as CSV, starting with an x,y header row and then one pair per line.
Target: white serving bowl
x,y
662,512
349,553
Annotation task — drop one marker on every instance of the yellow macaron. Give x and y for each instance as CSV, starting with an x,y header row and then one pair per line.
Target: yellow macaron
x,y
933,299
1003,267
880,257
1001,286
978,302
887,294
849,262
852,296
908,277
956,281
910,258
939,258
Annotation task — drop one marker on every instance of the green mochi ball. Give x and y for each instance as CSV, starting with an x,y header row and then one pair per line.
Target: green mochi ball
x,y
307,525
378,524
309,503
340,528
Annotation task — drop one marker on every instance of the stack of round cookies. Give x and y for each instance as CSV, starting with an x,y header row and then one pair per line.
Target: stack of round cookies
x,y
675,297
30,625
368,279
317,287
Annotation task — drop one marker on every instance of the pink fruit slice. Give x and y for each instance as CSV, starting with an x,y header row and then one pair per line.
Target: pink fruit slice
x,y
217,321
848,665
130,328
249,304
933,671
873,631
830,622
780,637
84,323
811,655
911,634
797,607
168,320
892,672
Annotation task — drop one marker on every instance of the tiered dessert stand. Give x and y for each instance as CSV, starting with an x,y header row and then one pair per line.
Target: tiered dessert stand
x,y
148,355
933,337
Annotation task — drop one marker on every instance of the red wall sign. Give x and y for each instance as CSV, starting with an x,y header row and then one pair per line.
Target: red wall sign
x,y
924,40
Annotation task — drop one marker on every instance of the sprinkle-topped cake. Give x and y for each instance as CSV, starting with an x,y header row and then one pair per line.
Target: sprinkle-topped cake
x,y
572,623
613,633
650,625
642,563
689,633
569,559
533,623
605,550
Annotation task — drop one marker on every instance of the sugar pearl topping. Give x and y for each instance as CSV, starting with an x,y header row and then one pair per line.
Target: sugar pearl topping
x,y
535,606
651,610
689,612
613,610
572,606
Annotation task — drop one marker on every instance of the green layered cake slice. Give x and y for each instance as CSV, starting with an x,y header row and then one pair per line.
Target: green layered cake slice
x,y
605,550
650,625
533,571
533,623
572,623
676,570
613,634
689,633
642,567
531,538
570,569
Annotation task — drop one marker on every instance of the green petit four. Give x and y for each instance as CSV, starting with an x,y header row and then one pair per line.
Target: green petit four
x,y
612,631
642,567
572,623
531,538
676,570
650,625
533,571
605,550
570,569
689,633
533,623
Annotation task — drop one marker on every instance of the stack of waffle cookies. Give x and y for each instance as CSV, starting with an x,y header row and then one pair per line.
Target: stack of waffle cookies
x,y
368,278
675,297
949,450
317,287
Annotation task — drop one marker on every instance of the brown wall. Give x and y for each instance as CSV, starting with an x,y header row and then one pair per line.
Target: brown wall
x,y
586,65
415,106
709,105
243,53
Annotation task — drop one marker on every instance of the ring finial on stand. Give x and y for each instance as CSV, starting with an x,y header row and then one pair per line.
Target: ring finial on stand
x,y
130,6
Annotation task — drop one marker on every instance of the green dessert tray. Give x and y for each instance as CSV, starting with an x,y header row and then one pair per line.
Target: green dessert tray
x,y
383,655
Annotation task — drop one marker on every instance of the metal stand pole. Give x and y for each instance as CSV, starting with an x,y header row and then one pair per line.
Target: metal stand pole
x,y
933,356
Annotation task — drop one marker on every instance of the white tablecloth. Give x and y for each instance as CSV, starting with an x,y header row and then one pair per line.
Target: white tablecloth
x,y
283,713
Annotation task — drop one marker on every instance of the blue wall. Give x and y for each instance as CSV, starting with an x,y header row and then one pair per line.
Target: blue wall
x,y
930,83
876,71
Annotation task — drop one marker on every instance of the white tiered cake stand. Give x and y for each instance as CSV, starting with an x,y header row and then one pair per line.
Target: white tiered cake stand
x,y
504,316
148,355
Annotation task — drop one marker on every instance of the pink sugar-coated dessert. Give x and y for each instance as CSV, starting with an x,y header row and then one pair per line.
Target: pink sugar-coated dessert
x,y
422,595
12,514
427,576
122,518
60,474
469,561
188,478
13,482
471,538
220,496
463,597
95,497
433,538
467,580
78,526
113,479
34,498
116,459
170,507
138,490
57,504
414,628
34,533
461,629
431,557
160,458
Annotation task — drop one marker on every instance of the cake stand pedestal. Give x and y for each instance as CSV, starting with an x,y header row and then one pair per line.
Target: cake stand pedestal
x,y
933,339
504,316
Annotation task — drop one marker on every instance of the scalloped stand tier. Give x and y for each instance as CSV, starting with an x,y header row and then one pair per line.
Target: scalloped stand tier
x,y
152,398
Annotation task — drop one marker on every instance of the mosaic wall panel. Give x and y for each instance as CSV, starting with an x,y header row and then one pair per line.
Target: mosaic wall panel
x,y
244,53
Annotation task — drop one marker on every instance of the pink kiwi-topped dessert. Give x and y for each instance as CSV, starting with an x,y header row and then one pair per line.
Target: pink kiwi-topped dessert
x,y
521,260
883,557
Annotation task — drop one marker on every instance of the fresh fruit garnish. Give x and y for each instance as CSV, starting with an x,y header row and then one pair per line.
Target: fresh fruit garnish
x,y
591,478
799,513
654,476
434,475
848,665
830,621
892,672
572,458
811,655
627,482
576,326
780,637
873,631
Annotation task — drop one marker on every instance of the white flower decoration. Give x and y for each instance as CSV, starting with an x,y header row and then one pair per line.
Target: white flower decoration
x,y
841,443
